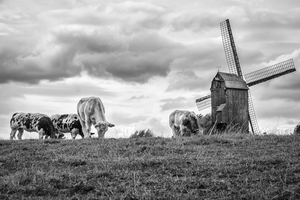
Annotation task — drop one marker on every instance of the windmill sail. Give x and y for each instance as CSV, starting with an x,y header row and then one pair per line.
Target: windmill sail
x,y
252,116
203,102
271,72
235,68
230,50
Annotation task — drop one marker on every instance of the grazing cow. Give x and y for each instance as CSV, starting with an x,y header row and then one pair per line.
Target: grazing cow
x,y
31,122
67,123
297,129
91,111
184,123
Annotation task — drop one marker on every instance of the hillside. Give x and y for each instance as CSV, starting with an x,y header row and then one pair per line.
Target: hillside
x,y
204,167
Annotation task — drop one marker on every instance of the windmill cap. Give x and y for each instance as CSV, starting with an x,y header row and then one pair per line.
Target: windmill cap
x,y
231,81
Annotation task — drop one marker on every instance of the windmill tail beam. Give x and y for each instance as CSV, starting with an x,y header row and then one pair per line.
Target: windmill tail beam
x,y
271,72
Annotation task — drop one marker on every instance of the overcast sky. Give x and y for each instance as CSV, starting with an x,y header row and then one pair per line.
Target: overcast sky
x,y
144,59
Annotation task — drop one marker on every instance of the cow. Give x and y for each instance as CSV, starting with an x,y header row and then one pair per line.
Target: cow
x,y
184,123
91,111
31,122
67,123
297,129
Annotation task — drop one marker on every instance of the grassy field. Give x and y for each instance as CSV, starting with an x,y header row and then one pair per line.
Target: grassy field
x,y
203,167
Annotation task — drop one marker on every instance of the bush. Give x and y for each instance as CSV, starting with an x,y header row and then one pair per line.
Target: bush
x,y
142,133
205,122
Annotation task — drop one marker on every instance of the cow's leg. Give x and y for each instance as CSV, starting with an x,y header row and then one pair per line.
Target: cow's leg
x,y
20,133
83,127
175,131
88,125
41,133
12,133
74,133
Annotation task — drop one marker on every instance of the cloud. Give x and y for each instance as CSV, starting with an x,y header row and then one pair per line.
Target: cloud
x,y
126,119
129,41
156,126
138,97
177,103
185,80
115,41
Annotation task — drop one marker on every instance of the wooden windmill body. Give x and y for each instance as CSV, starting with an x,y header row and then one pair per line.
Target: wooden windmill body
x,y
231,112
229,102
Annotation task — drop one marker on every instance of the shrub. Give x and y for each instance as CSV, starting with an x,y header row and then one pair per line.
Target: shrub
x,y
205,122
142,133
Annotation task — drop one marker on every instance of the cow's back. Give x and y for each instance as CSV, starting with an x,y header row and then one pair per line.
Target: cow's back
x,y
73,120
26,121
176,117
89,106
59,122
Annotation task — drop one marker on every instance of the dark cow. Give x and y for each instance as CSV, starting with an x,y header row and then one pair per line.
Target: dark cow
x,y
91,111
31,122
297,129
67,123
184,123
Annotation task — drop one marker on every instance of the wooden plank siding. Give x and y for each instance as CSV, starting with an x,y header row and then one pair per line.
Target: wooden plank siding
x,y
236,112
229,101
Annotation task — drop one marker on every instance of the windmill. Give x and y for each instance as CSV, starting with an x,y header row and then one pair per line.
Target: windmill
x,y
251,79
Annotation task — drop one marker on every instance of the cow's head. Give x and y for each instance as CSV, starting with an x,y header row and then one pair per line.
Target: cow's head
x,y
191,124
45,127
102,127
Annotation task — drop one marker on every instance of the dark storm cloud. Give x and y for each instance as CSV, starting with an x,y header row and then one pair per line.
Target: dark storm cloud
x,y
120,45
33,68
127,41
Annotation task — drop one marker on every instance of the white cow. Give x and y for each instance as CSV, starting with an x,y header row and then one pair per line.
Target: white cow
x,y
91,111
184,123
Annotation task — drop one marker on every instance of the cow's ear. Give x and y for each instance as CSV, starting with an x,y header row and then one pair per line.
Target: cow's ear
x,y
110,124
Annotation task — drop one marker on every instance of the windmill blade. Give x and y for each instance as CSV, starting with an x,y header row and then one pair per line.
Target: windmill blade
x,y
203,102
270,72
252,116
229,48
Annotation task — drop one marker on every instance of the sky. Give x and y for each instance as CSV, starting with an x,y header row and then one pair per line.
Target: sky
x,y
144,59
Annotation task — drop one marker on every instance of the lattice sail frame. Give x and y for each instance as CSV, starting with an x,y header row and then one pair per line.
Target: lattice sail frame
x,y
270,72
229,49
235,68
203,102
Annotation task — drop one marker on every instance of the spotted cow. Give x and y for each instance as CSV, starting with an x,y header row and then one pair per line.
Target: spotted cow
x,y
31,122
184,123
91,111
67,123
297,129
